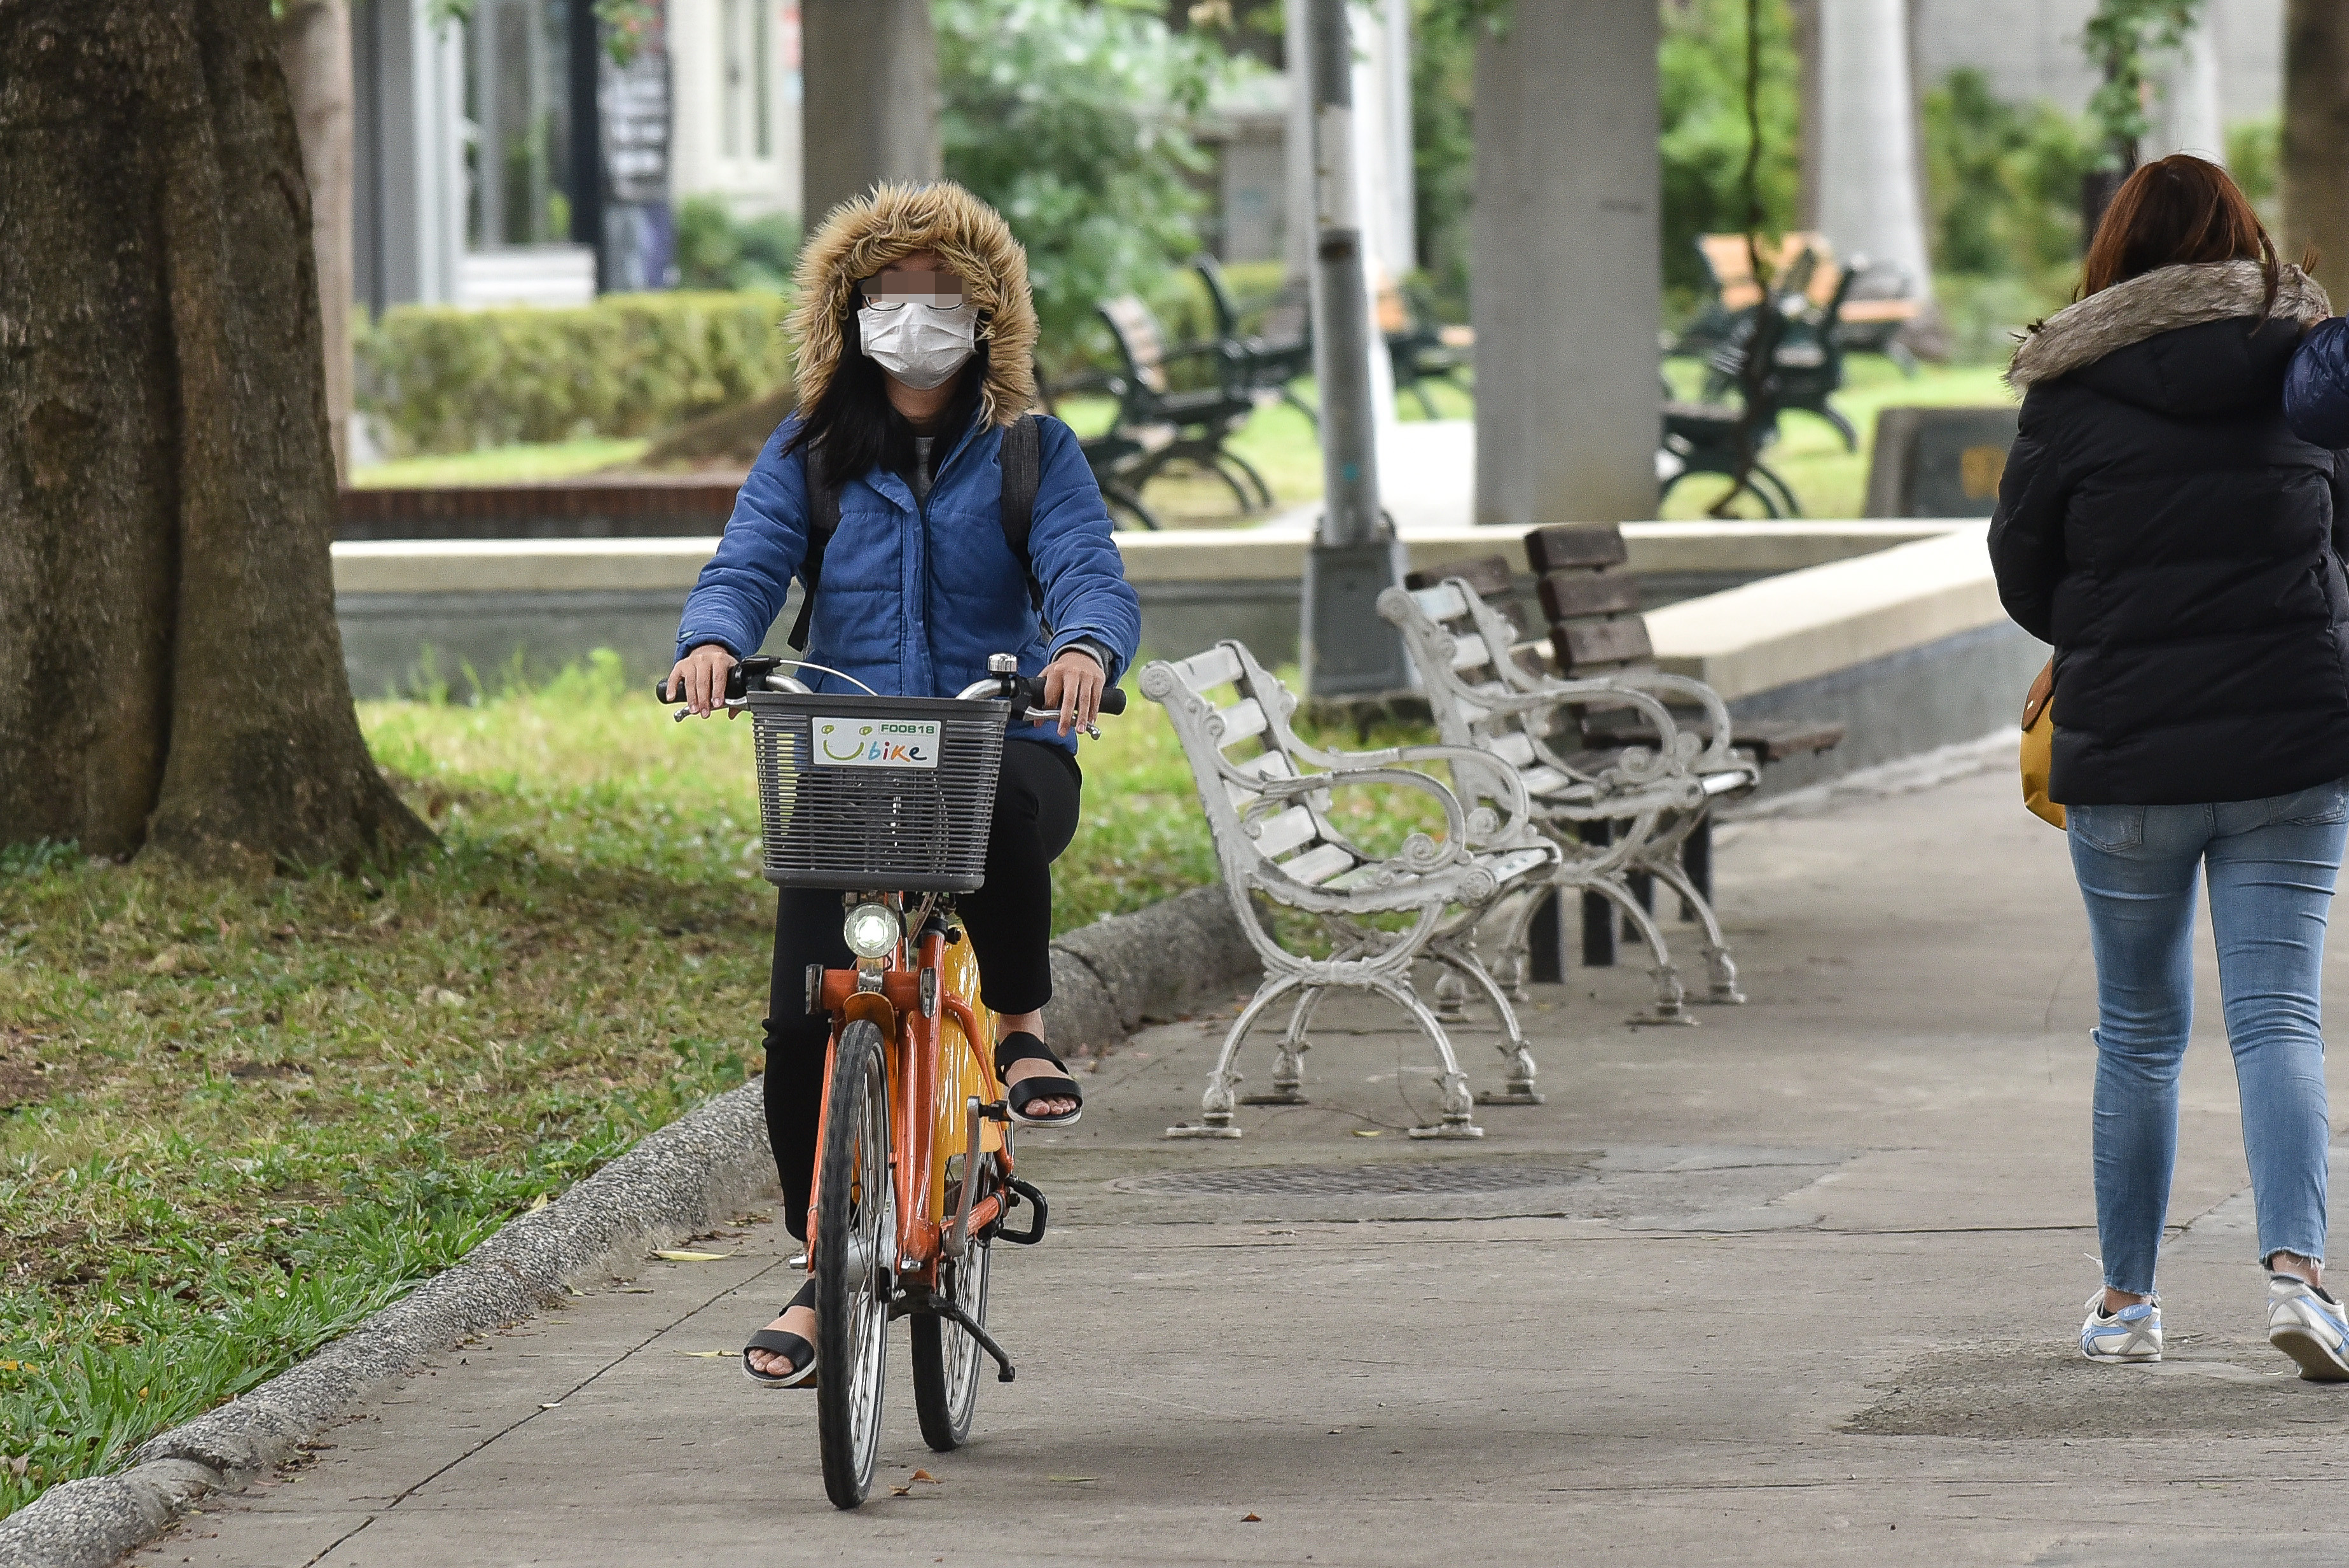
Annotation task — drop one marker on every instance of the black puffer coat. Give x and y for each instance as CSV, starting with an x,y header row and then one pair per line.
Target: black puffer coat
x,y
2178,544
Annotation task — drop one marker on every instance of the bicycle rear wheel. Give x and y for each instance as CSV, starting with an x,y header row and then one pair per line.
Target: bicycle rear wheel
x,y
947,1362
855,1244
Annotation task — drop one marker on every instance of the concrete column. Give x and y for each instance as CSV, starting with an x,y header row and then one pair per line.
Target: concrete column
x,y
869,98
2189,120
1568,298
1870,202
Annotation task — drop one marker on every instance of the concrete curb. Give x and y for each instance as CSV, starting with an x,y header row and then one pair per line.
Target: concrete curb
x,y
685,1177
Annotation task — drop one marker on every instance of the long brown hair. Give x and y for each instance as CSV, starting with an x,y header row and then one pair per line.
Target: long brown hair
x,y
2178,209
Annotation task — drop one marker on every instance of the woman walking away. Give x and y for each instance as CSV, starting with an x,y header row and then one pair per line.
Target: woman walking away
x,y
885,493
2163,527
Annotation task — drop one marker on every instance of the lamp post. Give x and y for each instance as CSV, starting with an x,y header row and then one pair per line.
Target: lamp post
x,y
1347,649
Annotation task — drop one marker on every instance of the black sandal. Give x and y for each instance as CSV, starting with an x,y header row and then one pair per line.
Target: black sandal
x,y
775,1342
1021,1046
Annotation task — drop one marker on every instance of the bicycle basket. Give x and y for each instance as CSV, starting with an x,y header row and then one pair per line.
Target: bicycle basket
x,y
875,792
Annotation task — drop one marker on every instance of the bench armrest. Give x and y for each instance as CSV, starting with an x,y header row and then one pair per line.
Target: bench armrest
x,y
1519,804
1716,754
1420,854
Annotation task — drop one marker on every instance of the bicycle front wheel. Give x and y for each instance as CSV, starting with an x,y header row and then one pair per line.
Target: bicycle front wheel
x,y
855,1247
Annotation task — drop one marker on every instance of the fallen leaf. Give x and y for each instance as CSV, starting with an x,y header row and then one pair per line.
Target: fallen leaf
x,y
538,1203
1367,1132
707,1355
17,1466
925,1475
1250,1518
682,1257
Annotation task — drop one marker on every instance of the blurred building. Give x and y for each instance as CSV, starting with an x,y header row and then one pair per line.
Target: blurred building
x,y
504,155
2030,50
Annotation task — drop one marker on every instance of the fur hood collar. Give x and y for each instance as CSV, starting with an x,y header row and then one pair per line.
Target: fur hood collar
x,y
2156,302
864,236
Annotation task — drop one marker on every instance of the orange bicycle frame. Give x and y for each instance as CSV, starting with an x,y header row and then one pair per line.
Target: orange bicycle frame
x,y
917,1062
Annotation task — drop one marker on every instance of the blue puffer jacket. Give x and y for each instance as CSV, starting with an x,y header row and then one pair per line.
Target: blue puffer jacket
x,y
915,598
2316,388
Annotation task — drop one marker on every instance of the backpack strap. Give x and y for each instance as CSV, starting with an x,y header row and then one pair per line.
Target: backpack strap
x,y
1023,471
823,522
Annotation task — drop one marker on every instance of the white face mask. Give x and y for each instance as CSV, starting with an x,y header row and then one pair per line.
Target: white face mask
x,y
920,345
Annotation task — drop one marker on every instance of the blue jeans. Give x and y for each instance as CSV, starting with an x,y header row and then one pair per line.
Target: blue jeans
x,y
2271,864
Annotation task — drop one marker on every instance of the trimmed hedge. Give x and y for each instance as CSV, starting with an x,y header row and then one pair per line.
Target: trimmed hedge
x,y
444,380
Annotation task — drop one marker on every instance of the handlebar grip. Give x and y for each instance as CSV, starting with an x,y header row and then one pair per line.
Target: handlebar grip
x,y
1031,694
738,680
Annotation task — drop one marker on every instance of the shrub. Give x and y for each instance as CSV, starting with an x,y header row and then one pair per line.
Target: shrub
x,y
717,250
444,380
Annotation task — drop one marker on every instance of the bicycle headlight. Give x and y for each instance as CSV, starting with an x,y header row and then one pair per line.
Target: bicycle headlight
x,y
871,931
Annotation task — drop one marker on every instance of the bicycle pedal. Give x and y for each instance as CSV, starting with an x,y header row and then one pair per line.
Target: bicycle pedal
x,y
996,1111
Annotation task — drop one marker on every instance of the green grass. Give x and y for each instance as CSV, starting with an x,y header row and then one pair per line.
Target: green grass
x,y
502,464
246,1116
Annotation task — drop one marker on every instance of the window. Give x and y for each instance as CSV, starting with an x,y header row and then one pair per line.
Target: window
x,y
745,74
517,99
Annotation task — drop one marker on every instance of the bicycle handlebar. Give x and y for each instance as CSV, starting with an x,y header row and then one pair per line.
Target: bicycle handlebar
x,y
1027,691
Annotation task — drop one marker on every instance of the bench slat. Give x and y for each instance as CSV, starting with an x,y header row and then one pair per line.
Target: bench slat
x,y
1441,603
1318,865
1565,548
1470,653
1219,666
1488,575
1567,596
1278,834
1602,642
1239,721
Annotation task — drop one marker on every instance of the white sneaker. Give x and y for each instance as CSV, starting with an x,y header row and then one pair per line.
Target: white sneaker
x,y
2307,1324
2131,1333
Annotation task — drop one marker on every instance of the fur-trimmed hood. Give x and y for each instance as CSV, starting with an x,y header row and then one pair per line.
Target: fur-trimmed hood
x,y
864,236
2163,300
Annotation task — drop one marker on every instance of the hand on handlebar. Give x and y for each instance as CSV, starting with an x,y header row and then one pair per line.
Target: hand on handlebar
x,y
1073,683
700,677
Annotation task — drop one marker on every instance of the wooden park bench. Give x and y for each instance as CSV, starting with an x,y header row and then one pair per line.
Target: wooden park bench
x,y
1729,438
1597,631
1267,795
1419,347
1621,813
1273,358
1158,425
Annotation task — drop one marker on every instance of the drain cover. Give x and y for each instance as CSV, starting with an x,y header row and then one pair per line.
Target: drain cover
x,y
1391,1178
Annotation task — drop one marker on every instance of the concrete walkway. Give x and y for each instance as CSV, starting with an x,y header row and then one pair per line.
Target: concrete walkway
x,y
1797,1286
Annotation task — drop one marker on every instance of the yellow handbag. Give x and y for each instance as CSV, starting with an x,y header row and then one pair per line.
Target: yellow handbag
x,y
2039,747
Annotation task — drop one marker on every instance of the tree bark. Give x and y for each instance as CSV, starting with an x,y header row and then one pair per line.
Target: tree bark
x,y
315,42
2316,153
170,672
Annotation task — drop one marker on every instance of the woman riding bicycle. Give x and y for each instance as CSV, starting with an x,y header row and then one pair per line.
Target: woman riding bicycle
x,y
915,332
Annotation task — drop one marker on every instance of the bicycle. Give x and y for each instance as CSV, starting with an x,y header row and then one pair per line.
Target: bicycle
x,y
889,799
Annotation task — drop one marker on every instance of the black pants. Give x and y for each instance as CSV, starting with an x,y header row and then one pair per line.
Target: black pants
x,y
1011,924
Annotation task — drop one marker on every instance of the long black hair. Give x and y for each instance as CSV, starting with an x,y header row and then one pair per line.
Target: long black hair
x,y
854,428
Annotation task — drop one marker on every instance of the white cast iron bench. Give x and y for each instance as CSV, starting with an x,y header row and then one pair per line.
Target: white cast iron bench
x,y
1266,794
1487,694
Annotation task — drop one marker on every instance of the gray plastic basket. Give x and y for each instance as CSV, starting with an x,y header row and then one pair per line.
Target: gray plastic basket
x,y
902,829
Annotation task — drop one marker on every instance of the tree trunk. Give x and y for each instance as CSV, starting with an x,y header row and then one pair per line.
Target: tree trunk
x,y
2315,161
170,672
314,41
